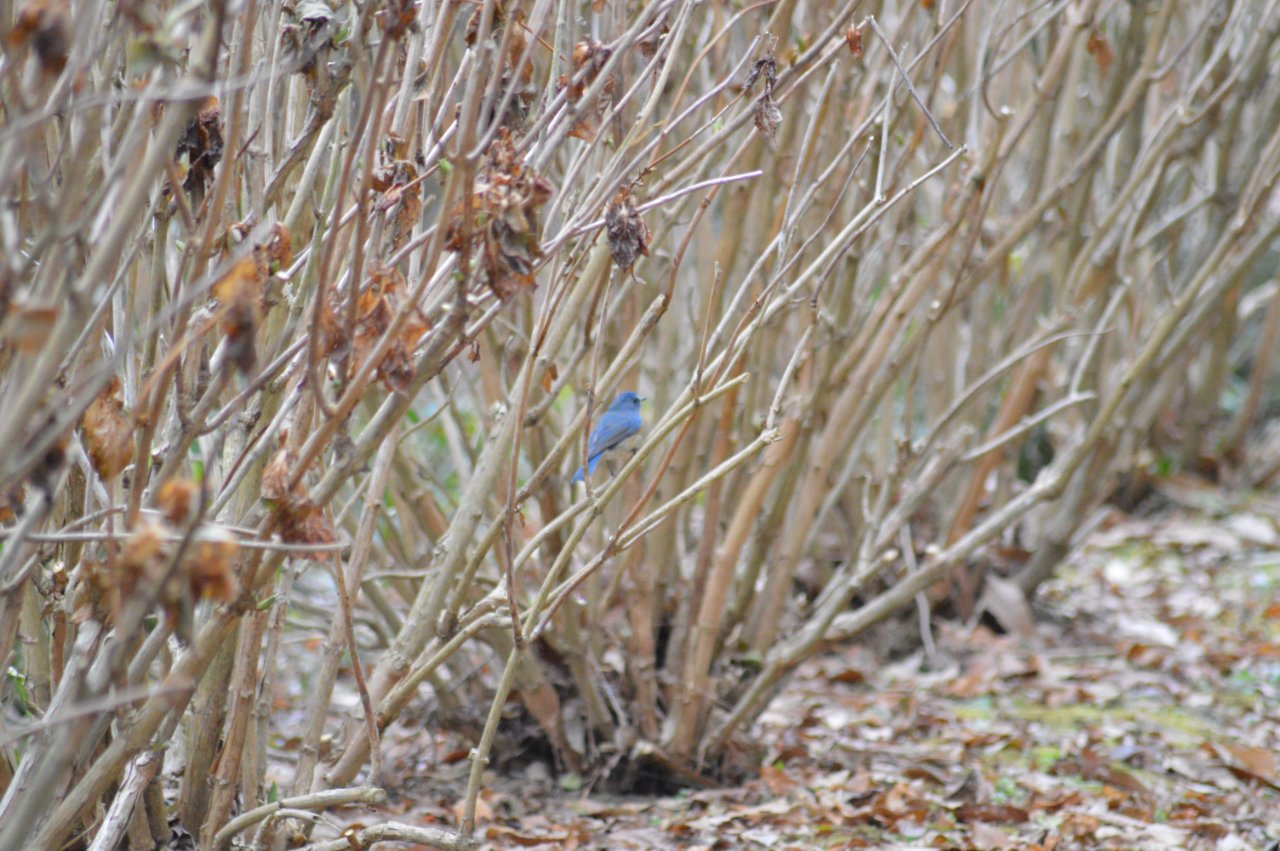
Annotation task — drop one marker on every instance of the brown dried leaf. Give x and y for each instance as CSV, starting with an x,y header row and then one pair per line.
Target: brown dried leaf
x,y
502,233
98,594
495,25
628,234
301,520
1260,764
333,339
396,369
586,127
767,119
174,500
378,305
304,522
279,247
45,26
590,55
1100,49
517,78
201,144
11,505
46,472
138,563
307,41
853,38
515,49
402,197
766,66
107,432
211,573
241,292
239,324
142,546
275,479
397,18
241,280
26,327
991,837
1008,605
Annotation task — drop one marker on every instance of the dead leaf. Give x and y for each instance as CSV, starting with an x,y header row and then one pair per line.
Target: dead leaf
x,y
397,19
107,432
989,836
1147,631
211,570
1254,763
1008,605
174,499
766,66
496,22
201,146
11,505
853,38
591,56
1254,529
304,522
767,119
241,292
301,520
526,838
241,278
275,478
1100,49
401,197
628,234
379,303
27,327
776,780
991,812
279,247
44,26
502,234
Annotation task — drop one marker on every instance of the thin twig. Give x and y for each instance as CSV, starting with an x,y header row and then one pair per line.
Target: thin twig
x,y
907,80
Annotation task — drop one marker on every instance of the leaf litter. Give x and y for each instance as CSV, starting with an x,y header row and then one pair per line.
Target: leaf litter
x,y
1140,711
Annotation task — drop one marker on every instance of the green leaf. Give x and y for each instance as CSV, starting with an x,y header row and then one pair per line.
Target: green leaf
x,y
19,682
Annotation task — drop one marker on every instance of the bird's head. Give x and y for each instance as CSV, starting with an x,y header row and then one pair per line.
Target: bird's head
x,y
626,402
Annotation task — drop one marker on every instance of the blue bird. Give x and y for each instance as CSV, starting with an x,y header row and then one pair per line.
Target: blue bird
x,y
618,425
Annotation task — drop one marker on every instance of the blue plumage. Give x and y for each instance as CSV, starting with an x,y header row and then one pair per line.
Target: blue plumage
x,y
619,424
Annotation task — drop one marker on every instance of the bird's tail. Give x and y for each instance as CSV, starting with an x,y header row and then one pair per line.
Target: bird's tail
x,y
590,470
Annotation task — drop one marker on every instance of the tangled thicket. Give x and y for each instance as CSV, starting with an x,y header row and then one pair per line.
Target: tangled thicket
x,y
309,298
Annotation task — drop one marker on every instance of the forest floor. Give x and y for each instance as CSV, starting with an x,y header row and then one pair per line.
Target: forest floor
x,y
1137,706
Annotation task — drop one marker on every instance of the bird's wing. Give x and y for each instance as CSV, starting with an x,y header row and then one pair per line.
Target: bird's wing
x,y
609,433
